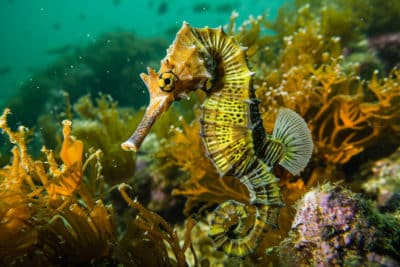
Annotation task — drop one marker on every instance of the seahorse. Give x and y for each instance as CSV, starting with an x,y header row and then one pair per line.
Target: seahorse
x,y
231,129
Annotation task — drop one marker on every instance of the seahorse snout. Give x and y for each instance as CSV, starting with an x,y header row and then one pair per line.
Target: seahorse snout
x,y
156,107
159,102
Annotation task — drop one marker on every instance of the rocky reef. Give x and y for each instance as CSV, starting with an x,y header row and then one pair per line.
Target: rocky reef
x,y
335,227
87,202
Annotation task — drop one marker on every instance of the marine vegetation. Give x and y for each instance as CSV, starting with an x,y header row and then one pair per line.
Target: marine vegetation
x,y
54,214
327,68
345,113
231,129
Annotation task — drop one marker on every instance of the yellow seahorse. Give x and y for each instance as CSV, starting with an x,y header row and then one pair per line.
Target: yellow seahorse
x,y
231,128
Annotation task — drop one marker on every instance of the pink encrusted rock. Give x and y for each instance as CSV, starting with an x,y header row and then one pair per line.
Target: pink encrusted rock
x,y
333,227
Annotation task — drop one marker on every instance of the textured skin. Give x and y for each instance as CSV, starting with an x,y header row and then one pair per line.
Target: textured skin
x,y
229,116
231,128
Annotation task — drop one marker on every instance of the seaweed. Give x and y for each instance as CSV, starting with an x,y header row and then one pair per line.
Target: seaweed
x,y
308,75
51,224
60,207
60,214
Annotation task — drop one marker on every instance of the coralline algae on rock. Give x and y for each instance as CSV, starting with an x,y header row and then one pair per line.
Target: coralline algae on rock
x,y
334,227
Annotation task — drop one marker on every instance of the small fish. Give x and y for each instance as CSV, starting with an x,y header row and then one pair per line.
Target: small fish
x,y
82,16
116,2
57,26
5,70
162,8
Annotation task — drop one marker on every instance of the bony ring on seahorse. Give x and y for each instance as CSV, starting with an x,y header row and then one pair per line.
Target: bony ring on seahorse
x,y
231,128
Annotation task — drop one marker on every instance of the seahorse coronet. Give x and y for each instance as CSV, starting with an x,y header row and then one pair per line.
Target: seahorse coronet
x,y
231,129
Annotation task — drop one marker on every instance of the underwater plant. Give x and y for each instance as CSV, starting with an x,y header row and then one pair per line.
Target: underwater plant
x,y
100,125
302,66
40,213
231,128
60,214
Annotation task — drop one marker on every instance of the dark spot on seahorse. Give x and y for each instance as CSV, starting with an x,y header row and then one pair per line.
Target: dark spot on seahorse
x,y
231,231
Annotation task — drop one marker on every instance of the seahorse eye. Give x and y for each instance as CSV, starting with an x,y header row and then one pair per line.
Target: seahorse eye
x,y
166,81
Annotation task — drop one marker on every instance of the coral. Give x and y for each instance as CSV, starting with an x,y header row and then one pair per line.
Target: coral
x,y
333,226
386,92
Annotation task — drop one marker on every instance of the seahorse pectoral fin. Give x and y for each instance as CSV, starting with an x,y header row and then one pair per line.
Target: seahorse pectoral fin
x,y
159,102
292,132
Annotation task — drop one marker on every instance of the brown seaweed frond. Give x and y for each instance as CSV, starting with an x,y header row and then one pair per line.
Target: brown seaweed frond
x,y
101,124
47,215
345,112
17,236
249,35
156,230
342,129
79,234
387,93
68,177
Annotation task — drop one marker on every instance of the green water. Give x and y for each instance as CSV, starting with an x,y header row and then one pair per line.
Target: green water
x,y
38,32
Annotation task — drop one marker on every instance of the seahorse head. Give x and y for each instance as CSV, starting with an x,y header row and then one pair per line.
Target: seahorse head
x,y
187,67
